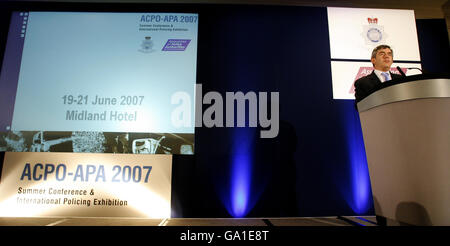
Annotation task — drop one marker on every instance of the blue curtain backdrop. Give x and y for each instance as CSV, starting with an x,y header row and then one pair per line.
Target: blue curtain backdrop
x,y
316,166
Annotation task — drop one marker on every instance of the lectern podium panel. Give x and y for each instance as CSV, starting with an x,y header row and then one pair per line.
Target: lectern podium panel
x,y
406,129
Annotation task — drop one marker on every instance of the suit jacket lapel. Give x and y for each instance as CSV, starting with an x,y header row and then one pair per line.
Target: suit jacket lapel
x,y
375,78
394,75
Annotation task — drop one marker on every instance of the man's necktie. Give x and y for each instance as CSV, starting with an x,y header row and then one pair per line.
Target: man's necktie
x,y
386,76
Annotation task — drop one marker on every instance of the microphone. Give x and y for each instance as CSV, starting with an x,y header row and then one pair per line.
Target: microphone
x,y
401,72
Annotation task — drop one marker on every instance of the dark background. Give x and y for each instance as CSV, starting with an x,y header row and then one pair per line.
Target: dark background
x,y
316,166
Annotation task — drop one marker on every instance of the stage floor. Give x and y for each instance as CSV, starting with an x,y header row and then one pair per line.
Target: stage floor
x,y
300,221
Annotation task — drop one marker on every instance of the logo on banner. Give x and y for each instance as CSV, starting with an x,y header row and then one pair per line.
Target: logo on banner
x,y
373,33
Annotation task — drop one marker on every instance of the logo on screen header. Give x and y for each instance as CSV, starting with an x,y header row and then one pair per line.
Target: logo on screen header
x,y
146,45
372,20
176,45
373,33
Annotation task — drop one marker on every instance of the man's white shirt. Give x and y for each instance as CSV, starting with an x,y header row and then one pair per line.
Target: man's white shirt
x,y
381,77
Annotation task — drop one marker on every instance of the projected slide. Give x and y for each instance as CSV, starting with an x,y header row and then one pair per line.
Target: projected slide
x,y
100,72
354,32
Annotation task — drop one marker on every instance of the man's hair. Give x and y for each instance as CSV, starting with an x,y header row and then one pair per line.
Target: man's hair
x,y
379,47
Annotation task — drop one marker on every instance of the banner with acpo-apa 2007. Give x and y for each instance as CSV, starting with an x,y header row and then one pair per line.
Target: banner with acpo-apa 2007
x,y
85,185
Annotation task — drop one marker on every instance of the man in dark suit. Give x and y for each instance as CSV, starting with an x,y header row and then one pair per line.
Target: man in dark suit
x,y
382,58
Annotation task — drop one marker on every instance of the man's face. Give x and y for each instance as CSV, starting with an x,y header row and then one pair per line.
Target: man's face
x,y
383,60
